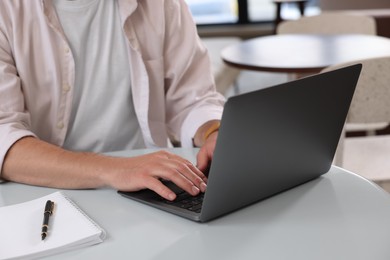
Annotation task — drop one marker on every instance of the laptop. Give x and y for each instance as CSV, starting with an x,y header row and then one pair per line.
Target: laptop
x,y
270,140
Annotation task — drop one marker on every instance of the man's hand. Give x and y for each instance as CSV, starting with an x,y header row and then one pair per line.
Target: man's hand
x,y
145,172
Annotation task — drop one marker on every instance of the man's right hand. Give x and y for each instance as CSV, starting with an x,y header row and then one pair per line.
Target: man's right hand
x,y
145,172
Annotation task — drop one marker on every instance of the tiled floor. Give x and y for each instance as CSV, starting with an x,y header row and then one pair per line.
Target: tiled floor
x,y
249,81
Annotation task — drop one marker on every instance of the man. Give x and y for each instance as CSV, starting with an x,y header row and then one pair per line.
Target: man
x,y
83,77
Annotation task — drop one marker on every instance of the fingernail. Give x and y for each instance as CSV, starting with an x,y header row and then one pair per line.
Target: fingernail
x,y
203,185
172,196
195,190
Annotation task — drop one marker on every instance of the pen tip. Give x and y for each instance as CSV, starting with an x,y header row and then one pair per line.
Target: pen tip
x,y
43,236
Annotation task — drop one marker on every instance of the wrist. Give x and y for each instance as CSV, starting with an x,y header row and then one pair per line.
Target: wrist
x,y
212,129
205,131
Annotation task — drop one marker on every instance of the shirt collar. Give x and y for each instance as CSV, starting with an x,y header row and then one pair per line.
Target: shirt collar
x,y
51,15
126,8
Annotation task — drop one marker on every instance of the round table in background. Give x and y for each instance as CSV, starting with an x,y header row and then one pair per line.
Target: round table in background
x,y
303,53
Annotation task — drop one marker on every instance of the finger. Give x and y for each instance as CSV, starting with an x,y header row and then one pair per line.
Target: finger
x,y
198,172
189,164
180,174
173,168
184,183
194,170
193,174
189,170
162,190
202,160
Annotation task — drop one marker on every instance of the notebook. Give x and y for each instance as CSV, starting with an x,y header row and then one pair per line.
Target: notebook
x,y
271,140
69,228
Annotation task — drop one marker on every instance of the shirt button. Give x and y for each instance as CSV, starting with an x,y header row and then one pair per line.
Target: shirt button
x,y
66,49
65,87
60,125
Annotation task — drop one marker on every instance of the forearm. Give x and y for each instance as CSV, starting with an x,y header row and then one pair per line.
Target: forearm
x,y
36,162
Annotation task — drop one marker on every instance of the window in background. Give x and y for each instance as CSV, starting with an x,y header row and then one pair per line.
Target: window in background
x,y
265,10
227,11
261,10
213,11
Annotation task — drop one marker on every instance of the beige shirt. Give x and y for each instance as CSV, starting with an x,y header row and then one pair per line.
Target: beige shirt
x,y
172,85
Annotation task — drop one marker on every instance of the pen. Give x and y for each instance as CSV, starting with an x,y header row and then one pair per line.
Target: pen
x,y
46,215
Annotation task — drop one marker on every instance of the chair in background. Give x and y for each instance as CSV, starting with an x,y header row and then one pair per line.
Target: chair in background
x,y
225,76
368,155
378,9
333,23
329,23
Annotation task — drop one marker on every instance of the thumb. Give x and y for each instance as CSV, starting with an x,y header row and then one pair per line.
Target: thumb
x,y
202,160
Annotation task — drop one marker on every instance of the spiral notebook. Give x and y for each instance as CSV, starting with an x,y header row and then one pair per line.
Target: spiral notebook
x,y
69,228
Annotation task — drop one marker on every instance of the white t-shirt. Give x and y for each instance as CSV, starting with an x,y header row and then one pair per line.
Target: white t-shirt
x,y
103,117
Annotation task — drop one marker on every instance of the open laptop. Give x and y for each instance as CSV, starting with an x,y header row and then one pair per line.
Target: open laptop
x,y
270,140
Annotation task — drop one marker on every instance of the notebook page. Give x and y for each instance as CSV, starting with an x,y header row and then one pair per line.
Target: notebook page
x,y
69,228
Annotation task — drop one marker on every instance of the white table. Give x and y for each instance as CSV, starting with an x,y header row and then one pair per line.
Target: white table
x,y
337,216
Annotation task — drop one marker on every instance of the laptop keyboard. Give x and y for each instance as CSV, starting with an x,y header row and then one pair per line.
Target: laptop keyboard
x,y
184,200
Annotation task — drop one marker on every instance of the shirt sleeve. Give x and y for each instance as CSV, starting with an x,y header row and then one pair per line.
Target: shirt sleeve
x,y
191,97
14,118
